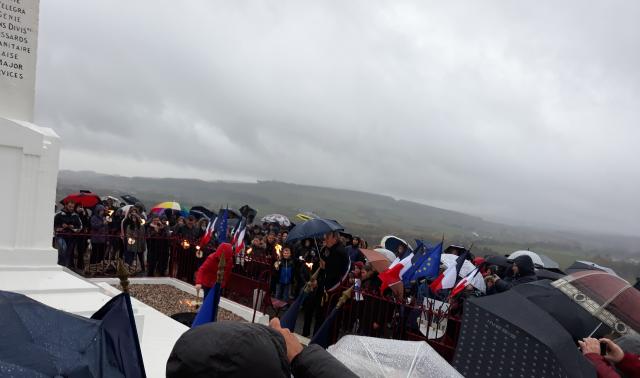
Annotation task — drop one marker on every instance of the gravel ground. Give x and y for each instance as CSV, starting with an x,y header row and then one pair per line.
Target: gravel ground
x,y
169,300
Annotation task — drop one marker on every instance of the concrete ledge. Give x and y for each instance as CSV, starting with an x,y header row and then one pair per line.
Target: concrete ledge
x,y
242,311
27,257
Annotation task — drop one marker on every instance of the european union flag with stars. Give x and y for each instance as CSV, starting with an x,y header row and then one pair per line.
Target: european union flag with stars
x,y
430,267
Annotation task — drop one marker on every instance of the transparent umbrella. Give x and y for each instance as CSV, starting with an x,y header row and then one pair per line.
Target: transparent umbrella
x,y
384,358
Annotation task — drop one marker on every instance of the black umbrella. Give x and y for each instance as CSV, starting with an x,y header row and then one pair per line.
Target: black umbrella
x,y
312,229
578,266
198,214
506,335
576,320
40,341
130,200
249,213
498,260
210,214
548,274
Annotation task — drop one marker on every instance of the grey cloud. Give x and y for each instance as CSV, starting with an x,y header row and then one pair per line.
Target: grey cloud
x,y
507,110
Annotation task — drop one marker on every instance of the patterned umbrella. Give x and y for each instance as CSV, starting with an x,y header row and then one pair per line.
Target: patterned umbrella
x,y
512,337
276,218
609,298
159,208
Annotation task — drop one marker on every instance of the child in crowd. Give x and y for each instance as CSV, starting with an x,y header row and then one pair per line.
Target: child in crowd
x,y
284,267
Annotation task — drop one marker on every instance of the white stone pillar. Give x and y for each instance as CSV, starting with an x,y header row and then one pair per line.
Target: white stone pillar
x,y
28,153
29,170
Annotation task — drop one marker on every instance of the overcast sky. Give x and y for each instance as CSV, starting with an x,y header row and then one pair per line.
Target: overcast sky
x,y
522,111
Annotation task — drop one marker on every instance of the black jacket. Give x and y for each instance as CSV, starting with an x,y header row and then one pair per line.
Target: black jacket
x,y
526,274
71,219
235,349
336,266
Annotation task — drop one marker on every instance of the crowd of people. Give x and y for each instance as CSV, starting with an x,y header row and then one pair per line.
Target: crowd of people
x,y
108,233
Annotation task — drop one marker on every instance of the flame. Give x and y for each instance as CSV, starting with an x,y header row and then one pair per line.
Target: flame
x,y
197,247
249,251
309,265
278,249
110,212
131,241
185,244
191,303
142,221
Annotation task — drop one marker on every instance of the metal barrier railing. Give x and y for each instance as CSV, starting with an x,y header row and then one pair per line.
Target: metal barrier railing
x,y
377,316
251,284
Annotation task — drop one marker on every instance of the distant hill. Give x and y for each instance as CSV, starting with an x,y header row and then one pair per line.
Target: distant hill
x,y
369,215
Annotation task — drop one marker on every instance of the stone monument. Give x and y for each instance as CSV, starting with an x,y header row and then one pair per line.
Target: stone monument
x,y
29,170
28,153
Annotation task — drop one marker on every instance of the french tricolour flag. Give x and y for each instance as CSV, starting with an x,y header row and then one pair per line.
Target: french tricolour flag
x,y
238,237
447,279
208,233
394,273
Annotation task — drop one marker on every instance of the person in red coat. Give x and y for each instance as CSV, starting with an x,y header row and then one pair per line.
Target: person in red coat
x,y
207,275
627,363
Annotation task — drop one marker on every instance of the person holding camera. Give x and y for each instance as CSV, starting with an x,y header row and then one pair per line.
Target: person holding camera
x,y
604,354
66,224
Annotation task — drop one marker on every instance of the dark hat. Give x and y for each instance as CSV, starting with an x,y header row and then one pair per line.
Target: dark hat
x,y
229,349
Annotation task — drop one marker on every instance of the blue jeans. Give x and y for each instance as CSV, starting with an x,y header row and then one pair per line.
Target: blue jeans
x,y
65,251
283,290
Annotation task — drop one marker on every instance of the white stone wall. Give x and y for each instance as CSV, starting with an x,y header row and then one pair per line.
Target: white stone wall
x,y
29,170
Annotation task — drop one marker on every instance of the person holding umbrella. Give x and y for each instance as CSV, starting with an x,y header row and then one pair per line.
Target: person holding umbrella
x,y
334,267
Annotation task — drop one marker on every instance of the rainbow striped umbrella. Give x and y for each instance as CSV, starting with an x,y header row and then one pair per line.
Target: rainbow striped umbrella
x,y
162,206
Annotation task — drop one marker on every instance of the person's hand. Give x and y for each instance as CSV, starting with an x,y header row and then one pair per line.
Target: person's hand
x,y
198,288
589,345
614,354
293,345
322,264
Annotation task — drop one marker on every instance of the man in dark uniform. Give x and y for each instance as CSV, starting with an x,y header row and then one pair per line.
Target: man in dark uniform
x,y
334,266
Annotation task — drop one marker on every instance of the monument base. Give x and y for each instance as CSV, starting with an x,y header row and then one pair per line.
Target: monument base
x,y
20,257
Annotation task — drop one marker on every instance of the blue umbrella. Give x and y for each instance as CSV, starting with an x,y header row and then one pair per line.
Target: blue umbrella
x,y
313,228
40,341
